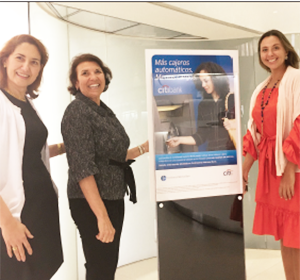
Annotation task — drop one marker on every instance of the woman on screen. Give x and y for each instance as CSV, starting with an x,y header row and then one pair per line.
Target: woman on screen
x,y
216,112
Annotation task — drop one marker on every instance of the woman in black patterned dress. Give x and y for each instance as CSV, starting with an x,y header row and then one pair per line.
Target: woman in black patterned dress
x,y
29,222
99,171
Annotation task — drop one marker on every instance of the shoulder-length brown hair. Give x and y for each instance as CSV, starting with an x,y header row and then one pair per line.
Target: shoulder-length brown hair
x,y
10,47
292,56
84,58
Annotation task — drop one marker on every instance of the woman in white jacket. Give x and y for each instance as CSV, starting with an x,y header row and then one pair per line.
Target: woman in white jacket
x,y
29,224
273,137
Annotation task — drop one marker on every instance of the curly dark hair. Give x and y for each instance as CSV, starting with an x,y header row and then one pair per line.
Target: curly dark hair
x,y
10,47
292,56
220,81
84,58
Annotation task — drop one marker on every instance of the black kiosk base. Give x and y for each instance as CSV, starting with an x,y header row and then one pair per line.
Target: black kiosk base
x,y
197,240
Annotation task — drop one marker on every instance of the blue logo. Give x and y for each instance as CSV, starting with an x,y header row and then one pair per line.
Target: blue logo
x,y
163,178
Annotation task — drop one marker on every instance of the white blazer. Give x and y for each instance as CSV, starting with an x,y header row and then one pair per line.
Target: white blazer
x,y
12,140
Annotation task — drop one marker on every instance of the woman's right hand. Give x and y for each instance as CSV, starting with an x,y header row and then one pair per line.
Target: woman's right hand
x,y
247,164
245,181
173,142
15,235
106,230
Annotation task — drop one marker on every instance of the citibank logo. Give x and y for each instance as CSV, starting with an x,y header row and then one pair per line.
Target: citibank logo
x,y
228,172
167,89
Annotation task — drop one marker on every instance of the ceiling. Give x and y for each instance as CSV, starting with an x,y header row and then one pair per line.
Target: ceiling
x,y
180,20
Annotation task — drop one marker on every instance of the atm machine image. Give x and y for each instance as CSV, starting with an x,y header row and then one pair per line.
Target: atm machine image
x,y
175,116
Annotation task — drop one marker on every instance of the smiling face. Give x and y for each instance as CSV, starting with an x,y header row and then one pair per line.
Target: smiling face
x,y
207,82
90,80
22,67
272,53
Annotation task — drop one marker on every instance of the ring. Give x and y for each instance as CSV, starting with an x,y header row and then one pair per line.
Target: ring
x,y
14,248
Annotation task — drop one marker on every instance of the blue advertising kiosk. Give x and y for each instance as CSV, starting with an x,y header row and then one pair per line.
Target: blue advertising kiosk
x,y
195,162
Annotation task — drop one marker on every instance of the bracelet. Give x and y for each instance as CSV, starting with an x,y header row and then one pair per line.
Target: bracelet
x,y
141,150
59,148
144,150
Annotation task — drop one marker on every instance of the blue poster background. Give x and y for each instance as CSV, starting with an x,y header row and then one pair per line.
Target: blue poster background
x,y
173,75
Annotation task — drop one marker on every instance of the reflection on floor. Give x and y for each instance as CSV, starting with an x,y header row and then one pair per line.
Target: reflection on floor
x,y
260,265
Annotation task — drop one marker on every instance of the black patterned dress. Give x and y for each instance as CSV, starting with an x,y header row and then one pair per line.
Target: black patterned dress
x,y
40,211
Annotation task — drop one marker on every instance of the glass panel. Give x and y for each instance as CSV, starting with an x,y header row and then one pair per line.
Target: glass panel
x,y
100,22
60,9
148,31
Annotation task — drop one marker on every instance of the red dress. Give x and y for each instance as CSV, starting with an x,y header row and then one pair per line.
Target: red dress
x,y
274,215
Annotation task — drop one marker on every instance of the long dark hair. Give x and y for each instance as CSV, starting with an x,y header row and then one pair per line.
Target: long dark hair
x,y
219,80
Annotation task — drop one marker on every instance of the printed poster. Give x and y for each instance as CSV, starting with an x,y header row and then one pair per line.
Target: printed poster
x,y
194,123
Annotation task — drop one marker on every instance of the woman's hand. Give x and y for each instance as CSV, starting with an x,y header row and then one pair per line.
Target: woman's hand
x,y
247,164
90,190
229,123
245,181
15,235
287,183
173,142
106,230
137,151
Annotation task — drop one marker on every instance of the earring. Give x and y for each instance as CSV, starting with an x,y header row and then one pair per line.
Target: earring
x,y
286,57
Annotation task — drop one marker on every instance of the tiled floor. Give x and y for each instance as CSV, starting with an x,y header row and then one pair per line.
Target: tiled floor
x,y
260,265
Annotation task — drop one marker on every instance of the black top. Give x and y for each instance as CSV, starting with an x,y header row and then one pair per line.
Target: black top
x,y
93,136
210,124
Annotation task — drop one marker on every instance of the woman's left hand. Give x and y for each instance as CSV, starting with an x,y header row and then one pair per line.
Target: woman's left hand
x,y
287,183
229,123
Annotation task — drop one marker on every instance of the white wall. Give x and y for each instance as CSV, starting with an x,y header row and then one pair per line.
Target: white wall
x,y
13,20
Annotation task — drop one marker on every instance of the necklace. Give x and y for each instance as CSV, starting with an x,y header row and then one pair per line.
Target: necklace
x,y
263,105
19,98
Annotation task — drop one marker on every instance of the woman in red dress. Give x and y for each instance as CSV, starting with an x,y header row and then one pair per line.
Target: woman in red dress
x,y
273,137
